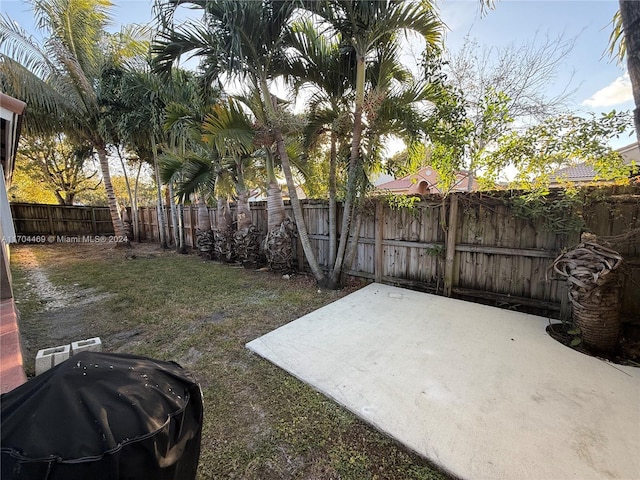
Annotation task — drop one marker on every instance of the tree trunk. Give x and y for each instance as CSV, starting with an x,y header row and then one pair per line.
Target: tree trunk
x,y
135,214
223,219
204,219
222,236
243,210
630,15
297,212
275,207
126,177
353,246
174,215
293,194
333,211
129,193
160,209
118,227
61,200
351,178
182,244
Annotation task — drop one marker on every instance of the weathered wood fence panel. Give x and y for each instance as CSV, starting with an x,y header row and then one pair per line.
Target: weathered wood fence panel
x,y
504,258
467,246
614,216
34,219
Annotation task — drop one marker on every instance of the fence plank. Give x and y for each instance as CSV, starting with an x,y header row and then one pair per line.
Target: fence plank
x,y
450,255
377,251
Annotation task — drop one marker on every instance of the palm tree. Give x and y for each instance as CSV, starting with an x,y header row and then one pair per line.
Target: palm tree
x,y
366,27
322,63
629,23
230,132
244,38
59,78
135,106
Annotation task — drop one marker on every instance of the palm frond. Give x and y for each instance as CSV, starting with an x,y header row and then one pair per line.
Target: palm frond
x,y
617,47
16,43
79,25
229,130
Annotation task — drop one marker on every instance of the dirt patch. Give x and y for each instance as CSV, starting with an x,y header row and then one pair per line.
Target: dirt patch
x,y
61,313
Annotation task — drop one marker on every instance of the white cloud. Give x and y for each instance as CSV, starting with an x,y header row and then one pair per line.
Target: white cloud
x,y
618,91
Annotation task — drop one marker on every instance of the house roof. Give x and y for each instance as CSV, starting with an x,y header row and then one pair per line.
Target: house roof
x,y
582,172
424,181
401,183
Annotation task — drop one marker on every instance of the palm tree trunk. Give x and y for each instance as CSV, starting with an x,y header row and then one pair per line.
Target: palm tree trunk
x,y
182,244
127,183
222,237
275,205
630,15
204,219
129,194
333,220
160,210
118,226
135,217
293,194
174,215
297,212
243,211
353,245
351,178
223,219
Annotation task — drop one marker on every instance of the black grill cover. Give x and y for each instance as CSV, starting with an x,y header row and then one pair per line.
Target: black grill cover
x,y
103,416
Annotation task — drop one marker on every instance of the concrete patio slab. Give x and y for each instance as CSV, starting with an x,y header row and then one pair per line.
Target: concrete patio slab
x,y
481,392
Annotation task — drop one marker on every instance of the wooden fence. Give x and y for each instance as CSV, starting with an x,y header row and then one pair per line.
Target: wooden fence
x,y
36,220
486,254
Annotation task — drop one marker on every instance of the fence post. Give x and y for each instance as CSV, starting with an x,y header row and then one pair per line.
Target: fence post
x,y
94,225
452,228
193,218
50,215
379,251
299,249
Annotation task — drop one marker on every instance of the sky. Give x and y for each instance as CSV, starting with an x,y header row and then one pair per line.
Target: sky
x,y
600,83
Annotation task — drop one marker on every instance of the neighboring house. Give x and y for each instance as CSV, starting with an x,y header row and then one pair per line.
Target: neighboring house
x,y
424,182
11,371
582,174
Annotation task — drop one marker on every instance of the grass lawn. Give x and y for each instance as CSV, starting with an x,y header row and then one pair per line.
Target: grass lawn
x,y
260,422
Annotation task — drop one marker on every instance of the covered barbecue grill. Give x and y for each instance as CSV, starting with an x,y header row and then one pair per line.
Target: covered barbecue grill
x,y
103,416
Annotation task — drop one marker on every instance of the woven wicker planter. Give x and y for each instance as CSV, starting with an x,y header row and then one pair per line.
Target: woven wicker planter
x,y
598,314
595,286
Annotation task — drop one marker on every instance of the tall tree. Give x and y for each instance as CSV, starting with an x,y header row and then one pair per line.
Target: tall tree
x,y
247,40
503,87
559,142
59,77
367,27
323,64
59,165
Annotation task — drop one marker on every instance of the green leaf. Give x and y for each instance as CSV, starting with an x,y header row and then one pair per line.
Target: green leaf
x,y
574,331
575,342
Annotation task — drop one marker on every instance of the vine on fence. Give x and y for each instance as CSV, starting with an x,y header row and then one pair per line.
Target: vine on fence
x,y
560,213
